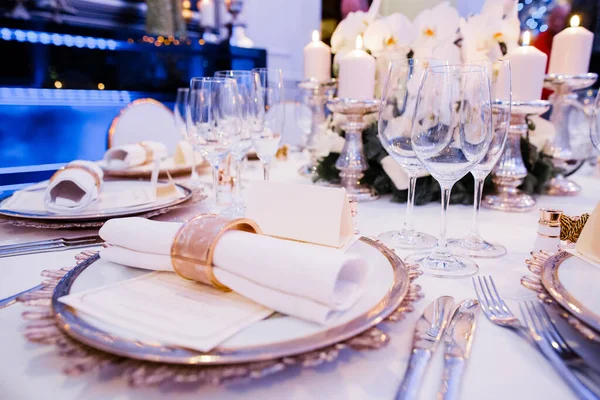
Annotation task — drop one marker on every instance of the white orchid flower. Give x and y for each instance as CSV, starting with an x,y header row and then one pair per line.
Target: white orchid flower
x,y
392,34
344,36
436,26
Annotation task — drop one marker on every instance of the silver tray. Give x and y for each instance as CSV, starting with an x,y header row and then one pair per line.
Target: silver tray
x,y
76,327
117,212
545,266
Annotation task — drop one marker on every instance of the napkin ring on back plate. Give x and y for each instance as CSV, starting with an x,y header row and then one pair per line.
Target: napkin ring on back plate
x,y
94,174
194,246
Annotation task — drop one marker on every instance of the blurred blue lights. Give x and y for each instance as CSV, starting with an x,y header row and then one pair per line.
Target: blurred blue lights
x,y
59,39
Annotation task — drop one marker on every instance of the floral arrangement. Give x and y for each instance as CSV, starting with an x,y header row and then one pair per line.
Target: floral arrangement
x,y
439,33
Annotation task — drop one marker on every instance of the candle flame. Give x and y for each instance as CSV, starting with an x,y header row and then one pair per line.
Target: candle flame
x,y
575,21
526,38
359,42
316,36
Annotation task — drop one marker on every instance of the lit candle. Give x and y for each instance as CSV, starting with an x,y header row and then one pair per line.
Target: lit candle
x,y
528,68
317,59
356,78
207,14
571,50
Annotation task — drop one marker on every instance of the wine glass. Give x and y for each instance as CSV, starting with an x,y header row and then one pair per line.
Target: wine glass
x,y
180,112
214,122
269,115
451,133
595,125
499,77
395,128
239,150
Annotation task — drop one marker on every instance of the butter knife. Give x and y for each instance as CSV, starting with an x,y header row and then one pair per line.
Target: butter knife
x,y
428,333
458,340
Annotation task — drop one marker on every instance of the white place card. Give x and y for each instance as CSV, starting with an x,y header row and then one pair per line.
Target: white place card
x,y
307,213
162,307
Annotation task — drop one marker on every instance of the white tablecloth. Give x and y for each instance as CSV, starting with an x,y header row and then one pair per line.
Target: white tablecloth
x,y
502,365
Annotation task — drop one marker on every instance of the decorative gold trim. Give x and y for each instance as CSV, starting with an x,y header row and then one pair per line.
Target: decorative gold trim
x,y
97,179
549,236
115,121
194,245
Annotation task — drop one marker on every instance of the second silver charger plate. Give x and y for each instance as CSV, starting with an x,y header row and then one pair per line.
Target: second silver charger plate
x,y
272,338
184,194
573,283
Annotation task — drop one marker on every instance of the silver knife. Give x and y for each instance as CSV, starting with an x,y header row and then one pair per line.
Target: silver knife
x,y
458,340
428,333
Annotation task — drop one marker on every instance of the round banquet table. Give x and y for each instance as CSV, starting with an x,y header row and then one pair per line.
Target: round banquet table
x,y
502,365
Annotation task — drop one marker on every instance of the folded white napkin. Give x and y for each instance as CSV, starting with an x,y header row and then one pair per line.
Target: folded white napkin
x,y
131,155
307,281
74,189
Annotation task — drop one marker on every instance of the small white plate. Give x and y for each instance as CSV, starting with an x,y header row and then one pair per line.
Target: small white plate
x,y
97,211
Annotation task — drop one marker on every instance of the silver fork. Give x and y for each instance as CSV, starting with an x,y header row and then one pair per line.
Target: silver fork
x,y
49,245
538,324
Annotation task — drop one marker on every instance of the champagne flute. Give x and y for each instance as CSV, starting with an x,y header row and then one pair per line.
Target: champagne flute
x,y
451,133
395,128
595,125
180,112
214,121
268,115
499,77
239,150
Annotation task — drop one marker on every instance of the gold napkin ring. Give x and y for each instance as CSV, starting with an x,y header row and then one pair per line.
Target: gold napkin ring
x,y
94,174
149,152
194,245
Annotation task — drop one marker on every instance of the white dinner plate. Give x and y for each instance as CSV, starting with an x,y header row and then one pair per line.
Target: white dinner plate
x,y
274,337
97,211
145,171
573,283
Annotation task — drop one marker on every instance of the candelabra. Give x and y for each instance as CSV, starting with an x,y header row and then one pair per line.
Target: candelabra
x,y
510,170
352,161
317,94
560,147
237,32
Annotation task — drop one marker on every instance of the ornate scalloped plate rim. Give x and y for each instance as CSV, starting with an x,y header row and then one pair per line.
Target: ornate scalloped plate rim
x,y
187,194
559,293
83,332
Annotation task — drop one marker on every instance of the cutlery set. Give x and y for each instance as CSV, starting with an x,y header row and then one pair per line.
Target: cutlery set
x,y
43,246
438,323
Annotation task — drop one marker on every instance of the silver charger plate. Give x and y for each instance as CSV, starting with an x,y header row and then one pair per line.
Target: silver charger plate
x,y
84,330
554,281
185,195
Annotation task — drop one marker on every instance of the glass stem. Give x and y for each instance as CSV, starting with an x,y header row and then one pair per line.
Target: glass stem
x,y
238,179
267,170
442,242
194,175
477,206
410,203
215,175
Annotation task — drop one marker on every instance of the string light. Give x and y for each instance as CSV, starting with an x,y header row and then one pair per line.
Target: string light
x,y
58,84
101,86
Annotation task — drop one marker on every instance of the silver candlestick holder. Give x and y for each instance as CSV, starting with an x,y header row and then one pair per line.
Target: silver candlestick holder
x,y
510,170
317,94
559,148
352,161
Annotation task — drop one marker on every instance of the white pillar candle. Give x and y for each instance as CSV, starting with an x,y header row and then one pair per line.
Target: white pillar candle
x,y
317,59
528,69
356,78
571,50
207,14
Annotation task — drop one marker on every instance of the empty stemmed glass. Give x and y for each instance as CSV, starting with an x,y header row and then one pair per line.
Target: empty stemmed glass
x,y
395,128
595,125
180,113
451,133
499,77
214,121
269,116
240,148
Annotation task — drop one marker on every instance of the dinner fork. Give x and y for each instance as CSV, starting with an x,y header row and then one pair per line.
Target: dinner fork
x,y
49,245
539,328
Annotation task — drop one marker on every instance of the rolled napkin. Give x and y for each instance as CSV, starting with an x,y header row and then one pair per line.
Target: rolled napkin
x,y
74,187
131,155
311,282
588,243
